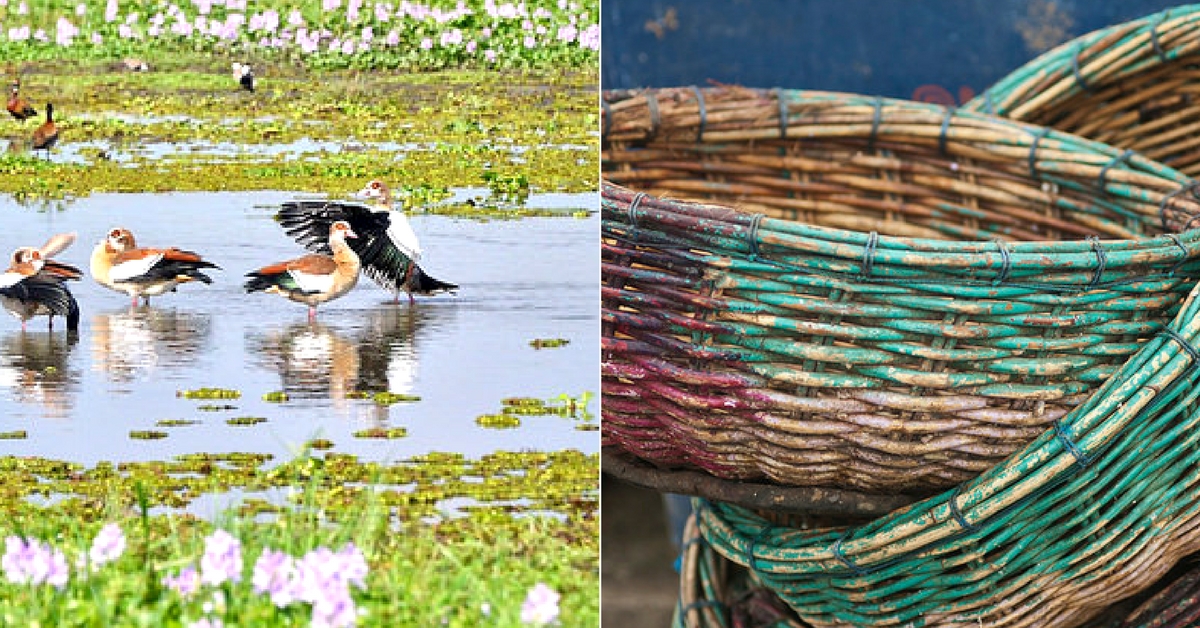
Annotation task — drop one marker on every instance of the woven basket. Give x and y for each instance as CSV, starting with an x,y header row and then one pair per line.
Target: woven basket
x,y
1176,605
876,295
715,593
1135,85
1087,514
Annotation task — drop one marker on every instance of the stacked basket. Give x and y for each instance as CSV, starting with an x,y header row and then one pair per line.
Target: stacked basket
x,y
823,290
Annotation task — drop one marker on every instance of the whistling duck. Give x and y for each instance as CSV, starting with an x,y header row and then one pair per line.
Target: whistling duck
x,y
29,289
314,278
45,136
387,246
17,106
118,263
244,76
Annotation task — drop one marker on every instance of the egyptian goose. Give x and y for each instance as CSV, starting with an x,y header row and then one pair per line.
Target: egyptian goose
x,y
244,76
313,278
387,245
46,135
118,263
29,289
17,106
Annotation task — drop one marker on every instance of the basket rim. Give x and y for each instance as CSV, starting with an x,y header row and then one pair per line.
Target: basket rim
x,y
755,495
1012,96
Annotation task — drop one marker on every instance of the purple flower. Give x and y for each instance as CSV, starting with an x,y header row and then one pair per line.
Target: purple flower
x,y
186,583
471,47
383,12
65,32
81,9
348,47
567,33
530,42
426,44
541,605
222,559
125,31
590,37
97,39
490,55
108,545
22,9
330,5
33,562
452,37
295,18
275,574
393,38
352,10
40,35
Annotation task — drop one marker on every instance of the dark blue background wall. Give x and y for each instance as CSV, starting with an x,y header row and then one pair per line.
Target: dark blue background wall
x,y
922,49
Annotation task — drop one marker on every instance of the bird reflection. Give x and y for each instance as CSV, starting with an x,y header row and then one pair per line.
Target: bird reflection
x,y
134,341
318,361
34,367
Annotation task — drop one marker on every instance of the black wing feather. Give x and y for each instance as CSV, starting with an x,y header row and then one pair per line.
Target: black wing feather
x,y
382,261
53,294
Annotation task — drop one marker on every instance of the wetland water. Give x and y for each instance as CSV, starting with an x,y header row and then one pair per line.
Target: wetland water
x,y
521,280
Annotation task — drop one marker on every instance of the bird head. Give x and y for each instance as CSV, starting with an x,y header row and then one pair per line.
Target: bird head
x,y
341,230
119,239
378,191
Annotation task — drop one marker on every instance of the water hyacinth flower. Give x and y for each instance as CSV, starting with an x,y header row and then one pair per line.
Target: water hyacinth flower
x,y
295,18
330,5
222,559
64,32
541,605
33,562
567,33
452,37
426,44
186,583
108,545
275,574
590,37
110,11
40,35
530,42
22,9
81,9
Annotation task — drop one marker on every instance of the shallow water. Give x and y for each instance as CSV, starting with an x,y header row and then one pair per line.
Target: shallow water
x,y
521,280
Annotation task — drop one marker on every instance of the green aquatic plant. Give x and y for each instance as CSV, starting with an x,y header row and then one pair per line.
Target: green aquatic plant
x,y
243,421
498,421
549,343
175,422
147,434
389,398
382,432
209,393
14,435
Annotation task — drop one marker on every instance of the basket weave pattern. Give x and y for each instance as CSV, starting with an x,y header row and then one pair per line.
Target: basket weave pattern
x,y
1134,85
1086,515
903,296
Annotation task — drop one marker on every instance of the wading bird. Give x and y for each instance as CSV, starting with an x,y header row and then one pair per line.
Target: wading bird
x,y
17,106
314,278
387,245
118,263
46,135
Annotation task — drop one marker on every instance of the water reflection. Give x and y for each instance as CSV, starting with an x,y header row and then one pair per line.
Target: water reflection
x,y
319,361
35,369
140,340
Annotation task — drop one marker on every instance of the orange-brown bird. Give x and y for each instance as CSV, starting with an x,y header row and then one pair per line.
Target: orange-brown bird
x,y
17,106
46,135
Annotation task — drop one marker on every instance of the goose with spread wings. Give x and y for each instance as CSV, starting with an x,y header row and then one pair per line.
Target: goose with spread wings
x,y
386,244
